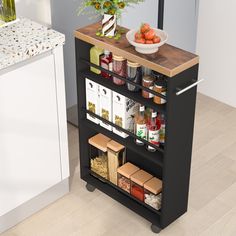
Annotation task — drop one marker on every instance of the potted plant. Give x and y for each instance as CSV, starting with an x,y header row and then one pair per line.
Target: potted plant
x,y
110,10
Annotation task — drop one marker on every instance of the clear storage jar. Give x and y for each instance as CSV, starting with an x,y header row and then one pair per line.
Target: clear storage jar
x,y
98,155
152,193
137,184
120,68
116,158
134,74
123,176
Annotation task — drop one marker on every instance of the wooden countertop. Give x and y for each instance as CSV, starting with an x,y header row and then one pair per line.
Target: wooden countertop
x,y
169,60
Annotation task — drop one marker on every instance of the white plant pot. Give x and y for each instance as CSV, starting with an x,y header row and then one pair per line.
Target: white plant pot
x,y
109,25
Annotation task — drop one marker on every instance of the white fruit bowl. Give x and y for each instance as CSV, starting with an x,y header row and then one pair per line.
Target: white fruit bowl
x,y
147,48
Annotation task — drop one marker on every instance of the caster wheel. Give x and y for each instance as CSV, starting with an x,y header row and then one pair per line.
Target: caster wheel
x,y
155,229
90,188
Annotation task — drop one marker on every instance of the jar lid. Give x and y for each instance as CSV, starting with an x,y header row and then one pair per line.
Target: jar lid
x,y
148,78
114,146
118,58
153,185
133,64
127,169
99,141
140,177
160,83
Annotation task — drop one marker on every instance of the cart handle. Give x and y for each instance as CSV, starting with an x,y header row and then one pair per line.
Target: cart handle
x,y
180,91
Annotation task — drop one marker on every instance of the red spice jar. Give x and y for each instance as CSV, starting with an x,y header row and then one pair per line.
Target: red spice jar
x,y
137,184
106,63
123,176
120,68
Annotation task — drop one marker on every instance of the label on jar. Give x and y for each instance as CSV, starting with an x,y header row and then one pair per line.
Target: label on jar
x,y
141,132
150,95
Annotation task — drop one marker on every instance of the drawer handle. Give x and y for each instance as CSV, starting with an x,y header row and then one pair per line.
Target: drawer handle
x,y
180,91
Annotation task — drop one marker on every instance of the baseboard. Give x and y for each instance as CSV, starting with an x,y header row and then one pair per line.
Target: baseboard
x,y
29,208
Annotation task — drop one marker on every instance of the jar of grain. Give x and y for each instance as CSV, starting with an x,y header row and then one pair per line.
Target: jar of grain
x,y
152,193
120,68
123,176
98,155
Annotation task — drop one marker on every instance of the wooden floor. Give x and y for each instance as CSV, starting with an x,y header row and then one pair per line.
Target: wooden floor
x,y
212,202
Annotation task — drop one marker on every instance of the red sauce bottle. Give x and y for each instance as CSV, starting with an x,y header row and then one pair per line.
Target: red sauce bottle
x,y
106,63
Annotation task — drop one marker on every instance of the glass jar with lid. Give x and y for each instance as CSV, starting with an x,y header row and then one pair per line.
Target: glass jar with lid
x,y
120,68
138,180
134,74
152,193
147,82
159,87
98,155
123,176
116,158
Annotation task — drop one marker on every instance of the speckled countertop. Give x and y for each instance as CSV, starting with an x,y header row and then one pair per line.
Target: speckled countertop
x,y
25,39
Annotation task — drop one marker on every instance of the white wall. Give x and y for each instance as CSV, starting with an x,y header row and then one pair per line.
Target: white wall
x,y
135,15
38,10
216,45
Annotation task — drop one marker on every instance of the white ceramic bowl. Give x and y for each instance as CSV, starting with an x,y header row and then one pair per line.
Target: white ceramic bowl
x,y
147,48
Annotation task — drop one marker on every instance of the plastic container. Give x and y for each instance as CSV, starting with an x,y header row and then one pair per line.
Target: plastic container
x,y
123,176
98,155
138,180
116,158
152,193
120,68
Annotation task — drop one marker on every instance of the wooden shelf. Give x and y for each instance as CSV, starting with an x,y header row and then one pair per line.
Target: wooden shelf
x,y
136,96
153,157
169,60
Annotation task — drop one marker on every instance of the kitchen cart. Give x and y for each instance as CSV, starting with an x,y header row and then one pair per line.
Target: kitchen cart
x,y
172,163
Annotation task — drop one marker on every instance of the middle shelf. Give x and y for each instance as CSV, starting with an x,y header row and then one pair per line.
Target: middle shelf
x,y
155,157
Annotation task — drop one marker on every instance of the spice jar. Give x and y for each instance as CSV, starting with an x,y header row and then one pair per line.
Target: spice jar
x,y
137,184
123,176
159,87
147,82
98,155
152,193
116,158
134,74
106,63
120,68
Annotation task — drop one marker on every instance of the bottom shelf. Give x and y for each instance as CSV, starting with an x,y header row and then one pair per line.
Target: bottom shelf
x,y
124,198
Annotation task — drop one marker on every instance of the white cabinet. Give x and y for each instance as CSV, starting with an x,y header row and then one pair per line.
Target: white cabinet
x,y
31,116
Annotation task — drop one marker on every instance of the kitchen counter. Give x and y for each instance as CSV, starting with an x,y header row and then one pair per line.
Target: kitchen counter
x,y
25,39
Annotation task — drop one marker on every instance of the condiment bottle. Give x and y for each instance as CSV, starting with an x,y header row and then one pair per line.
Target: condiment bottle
x,y
123,176
147,82
95,53
152,193
106,63
120,68
138,180
160,87
162,137
134,74
98,155
153,132
140,125
116,158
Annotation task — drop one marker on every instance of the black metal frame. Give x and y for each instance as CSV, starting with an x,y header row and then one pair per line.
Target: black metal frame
x,y
172,165
161,10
